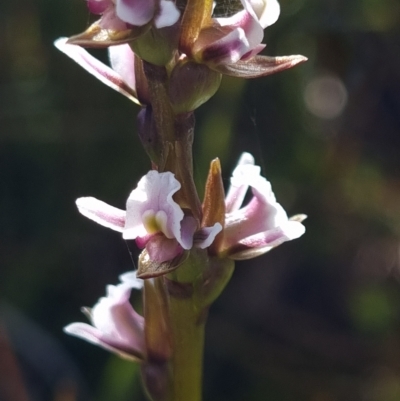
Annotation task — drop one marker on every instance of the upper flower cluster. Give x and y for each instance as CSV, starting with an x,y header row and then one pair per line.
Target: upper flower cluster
x,y
228,45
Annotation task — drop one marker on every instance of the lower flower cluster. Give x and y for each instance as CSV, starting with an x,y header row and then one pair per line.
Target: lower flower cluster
x,y
158,224
115,324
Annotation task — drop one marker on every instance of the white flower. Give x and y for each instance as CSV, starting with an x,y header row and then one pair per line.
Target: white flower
x,y
262,224
115,324
152,218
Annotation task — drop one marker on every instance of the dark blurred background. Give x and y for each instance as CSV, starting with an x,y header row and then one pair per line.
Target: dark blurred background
x,y
317,319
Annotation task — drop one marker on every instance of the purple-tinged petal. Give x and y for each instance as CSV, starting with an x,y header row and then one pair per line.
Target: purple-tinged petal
x,y
188,228
98,6
142,241
110,21
168,14
135,12
228,49
102,213
102,72
206,236
162,249
260,225
91,334
247,20
122,60
239,184
261,243
154,194
261,214
253,52
118,322
116,325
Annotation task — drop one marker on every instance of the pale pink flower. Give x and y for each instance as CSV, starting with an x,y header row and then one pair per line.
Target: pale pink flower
x,y
152,218
238,37
262,224
115,324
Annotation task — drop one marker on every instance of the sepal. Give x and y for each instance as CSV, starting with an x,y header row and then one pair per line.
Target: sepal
x,y
197,15
214,202
259,66
97,37
149,268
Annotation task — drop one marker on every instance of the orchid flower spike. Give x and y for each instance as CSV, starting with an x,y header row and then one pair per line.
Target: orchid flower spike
x,y
262,224
116,326
121,75
152,218
120,14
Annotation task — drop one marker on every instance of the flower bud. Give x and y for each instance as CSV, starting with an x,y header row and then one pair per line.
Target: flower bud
x,y
214,202
191,85
157,46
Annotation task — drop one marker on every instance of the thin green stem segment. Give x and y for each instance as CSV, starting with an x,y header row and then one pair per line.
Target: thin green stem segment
x,y
192,288
176,307
187,325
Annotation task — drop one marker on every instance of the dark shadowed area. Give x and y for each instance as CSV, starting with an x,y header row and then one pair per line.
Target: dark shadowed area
x,y
317,319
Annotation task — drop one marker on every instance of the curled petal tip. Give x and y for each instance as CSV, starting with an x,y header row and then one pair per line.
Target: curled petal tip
x,y
298,58
298,217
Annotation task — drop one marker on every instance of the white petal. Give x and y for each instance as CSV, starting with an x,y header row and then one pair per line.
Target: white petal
x,y
122,60
102,213
188,228
101,71
132,280
267,11
154,192
168,14
261,243
93,335
206,236
135,12
239,182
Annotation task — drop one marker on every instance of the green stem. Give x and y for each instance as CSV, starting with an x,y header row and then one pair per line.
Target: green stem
x,y
191,289
175,310
187,325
